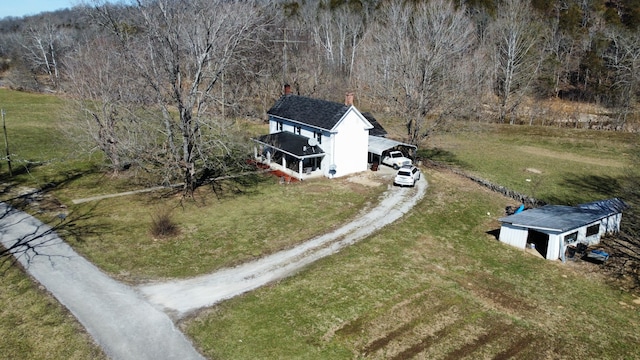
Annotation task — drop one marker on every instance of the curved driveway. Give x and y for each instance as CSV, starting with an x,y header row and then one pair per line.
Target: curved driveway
x,y
183,296
133,323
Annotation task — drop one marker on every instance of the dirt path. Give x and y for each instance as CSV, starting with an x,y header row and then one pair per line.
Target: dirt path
x,y
133,323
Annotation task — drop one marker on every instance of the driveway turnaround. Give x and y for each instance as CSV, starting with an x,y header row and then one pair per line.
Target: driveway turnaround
x,y
123,323
181,297
133,323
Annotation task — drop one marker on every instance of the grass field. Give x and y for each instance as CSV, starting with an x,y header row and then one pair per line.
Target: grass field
x,y
434,286
437,284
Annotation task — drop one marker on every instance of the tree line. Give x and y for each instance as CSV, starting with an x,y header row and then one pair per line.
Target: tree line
x,y
158,83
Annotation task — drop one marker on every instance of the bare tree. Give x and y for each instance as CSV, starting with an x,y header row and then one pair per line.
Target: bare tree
x,y
44,46
180,52
514,37
103,92
415,55
623,57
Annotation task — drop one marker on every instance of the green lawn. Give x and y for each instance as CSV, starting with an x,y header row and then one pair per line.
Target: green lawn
x,y
214,232
436,284
559,166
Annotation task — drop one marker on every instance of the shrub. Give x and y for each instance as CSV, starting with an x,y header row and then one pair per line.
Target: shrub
x,y
162,224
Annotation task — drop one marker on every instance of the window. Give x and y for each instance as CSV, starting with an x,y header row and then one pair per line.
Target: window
x,y
298,130
279,126
318,137
593,230
569,238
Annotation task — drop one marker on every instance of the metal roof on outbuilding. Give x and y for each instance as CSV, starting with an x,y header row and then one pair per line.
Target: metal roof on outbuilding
x,y
606,207
555,218
377,145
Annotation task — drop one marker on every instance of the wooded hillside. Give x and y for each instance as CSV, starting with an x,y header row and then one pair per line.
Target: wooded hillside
x,y
417,58
184,69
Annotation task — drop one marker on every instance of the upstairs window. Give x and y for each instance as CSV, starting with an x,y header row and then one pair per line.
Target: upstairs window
x,y
318,137
298,130
279,126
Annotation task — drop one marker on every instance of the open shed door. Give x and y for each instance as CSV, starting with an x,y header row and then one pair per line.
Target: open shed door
x,y
540,240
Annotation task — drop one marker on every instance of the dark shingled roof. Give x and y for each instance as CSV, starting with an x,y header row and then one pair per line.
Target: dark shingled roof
x,y
555,217
291,143
317,113
377,130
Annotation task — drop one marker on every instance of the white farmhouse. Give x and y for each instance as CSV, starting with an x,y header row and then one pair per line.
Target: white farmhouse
x,y
310,137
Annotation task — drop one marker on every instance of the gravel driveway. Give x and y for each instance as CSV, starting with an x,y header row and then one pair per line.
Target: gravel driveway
x,y
135,323
180,297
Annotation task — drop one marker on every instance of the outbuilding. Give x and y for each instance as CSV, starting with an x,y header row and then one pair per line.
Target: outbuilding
x,y
552,228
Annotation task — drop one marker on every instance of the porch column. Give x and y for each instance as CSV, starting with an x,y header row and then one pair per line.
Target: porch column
x,y
300,168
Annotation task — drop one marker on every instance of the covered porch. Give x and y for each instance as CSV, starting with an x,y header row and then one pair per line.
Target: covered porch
x,y
295,155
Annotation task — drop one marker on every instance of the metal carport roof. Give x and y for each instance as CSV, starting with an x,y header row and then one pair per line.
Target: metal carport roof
x,y
377,145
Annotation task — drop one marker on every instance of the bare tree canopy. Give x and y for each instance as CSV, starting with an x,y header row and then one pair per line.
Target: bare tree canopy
x,y
515,36
170,58
414,56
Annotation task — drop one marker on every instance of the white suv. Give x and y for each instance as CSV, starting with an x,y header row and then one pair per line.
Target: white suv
x,y
407,175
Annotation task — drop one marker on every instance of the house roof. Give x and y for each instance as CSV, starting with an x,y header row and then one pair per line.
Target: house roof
x,y
555,218
290,143
377,130
318,113
377,145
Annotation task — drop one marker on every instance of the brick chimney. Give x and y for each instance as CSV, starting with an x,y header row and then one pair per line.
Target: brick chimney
x,y
287,89
348,99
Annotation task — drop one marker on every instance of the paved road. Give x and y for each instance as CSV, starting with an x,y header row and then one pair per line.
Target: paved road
x,y
134,323
121,321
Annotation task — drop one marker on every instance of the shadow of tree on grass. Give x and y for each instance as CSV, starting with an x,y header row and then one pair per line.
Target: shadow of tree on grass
x,y
587,188
56,220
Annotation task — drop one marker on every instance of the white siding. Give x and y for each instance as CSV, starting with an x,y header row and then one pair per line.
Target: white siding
x,y
554,247
514,235
350,144
611,224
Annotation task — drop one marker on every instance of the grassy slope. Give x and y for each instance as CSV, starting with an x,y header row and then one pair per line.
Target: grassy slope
x,y
33,325
563,166
436,285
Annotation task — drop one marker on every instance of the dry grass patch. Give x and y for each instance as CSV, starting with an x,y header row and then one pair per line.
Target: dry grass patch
x,y
581,158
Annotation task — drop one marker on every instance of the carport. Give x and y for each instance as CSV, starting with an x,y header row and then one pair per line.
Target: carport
x,y
378,145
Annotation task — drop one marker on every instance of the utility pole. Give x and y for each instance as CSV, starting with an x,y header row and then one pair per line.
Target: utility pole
x,y
284,42
6,143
